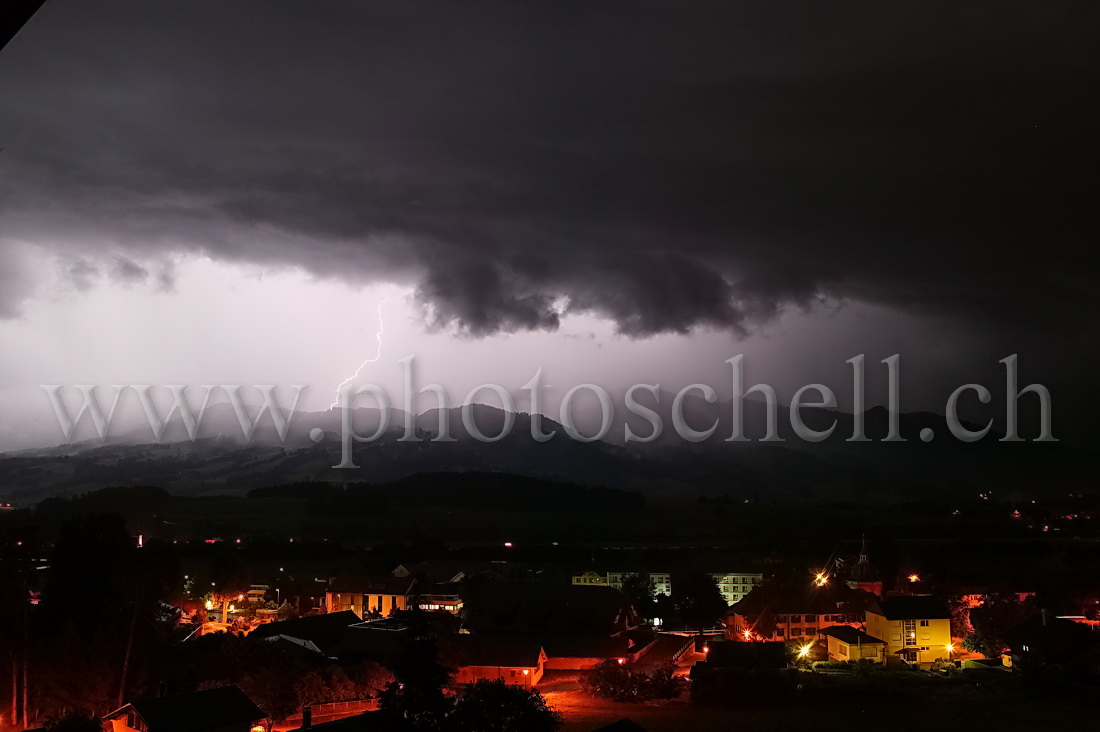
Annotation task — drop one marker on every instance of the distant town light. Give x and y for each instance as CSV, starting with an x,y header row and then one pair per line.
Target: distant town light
x,y
914,578
508,544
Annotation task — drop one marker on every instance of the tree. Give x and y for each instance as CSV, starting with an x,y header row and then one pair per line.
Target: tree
x,y
225,580
612,680
494,706
642,593
415,697
997,613
698,602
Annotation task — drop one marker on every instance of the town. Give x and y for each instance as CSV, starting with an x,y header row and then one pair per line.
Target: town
x,y
108,627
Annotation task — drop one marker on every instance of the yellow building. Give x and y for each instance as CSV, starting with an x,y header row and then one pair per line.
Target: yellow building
x,y
916,628
591,579
845,643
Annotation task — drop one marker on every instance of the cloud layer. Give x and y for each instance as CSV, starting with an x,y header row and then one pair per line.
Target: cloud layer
x,y
669,166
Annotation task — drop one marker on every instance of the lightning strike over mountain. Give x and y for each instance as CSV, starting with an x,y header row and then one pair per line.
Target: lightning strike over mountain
x,y
378,335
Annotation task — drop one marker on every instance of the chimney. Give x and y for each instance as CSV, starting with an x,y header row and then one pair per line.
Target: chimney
x,y
307,716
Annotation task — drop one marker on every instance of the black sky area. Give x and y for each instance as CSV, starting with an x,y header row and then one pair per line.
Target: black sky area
x,y
666,165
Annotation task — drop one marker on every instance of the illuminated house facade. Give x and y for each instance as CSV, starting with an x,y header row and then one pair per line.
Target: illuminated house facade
x,y
916,628
487,658
845,643
366,595
795,611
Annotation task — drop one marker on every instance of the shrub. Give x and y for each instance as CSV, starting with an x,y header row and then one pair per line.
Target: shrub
x,y
611,680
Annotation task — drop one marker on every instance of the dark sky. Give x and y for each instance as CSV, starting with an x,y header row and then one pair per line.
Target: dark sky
x,y
668,167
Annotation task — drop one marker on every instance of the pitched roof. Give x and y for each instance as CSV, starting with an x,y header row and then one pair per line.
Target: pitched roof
x,y
439,570
623,725
549,609
851,636
1046,633
913,607
732,654
324,631
782,598
203,710
381,584
480,650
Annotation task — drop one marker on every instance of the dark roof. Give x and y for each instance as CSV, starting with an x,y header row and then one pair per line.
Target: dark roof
x,y
623,725
548,609
864,572
439,570
851,636
732,654
784,598
383,584
324,630
913,607
1043,634
586,646
203,710
381,641
479,650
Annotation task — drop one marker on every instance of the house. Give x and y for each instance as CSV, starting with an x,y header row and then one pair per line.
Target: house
x,y
916,628
844,643
767,655
1049,644
589,579
369,595
321,633
576,626
227,709
439,596
487,657
795,610
385,640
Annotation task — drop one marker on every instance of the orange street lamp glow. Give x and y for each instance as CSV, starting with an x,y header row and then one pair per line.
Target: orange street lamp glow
x,y
914,578
803,651
747,634
821,579
950,647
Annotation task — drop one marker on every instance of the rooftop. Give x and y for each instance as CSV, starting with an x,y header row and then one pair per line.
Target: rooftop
x,y
913,607
852,636
202,710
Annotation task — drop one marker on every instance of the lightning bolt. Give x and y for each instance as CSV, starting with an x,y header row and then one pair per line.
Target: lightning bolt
x,y
378,335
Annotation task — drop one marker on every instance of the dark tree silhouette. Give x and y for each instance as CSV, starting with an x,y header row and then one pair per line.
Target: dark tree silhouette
x,y
697,600
494,706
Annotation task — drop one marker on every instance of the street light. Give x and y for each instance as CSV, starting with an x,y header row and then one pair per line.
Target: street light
x,y
525,684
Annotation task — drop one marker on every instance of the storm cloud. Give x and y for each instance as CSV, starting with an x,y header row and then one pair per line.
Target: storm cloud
x,y
669,166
